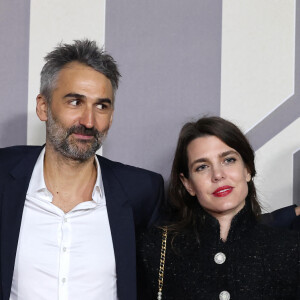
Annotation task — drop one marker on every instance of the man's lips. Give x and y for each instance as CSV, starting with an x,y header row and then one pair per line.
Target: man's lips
x,y
83,136
223,191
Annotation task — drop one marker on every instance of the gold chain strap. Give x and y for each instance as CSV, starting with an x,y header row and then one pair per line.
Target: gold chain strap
x,y
162,262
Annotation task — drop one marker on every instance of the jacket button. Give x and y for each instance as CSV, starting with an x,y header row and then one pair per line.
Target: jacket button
x,y
220,258
224,295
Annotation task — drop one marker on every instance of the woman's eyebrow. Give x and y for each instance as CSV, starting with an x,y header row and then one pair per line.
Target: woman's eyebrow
x,y
223,154
199,160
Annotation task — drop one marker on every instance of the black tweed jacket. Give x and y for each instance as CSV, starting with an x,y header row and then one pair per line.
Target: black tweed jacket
x,y
256,262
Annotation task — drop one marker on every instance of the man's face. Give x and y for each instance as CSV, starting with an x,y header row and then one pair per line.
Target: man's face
x,y
80,112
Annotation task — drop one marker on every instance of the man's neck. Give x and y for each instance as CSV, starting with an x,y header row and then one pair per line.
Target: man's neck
x,y
70,182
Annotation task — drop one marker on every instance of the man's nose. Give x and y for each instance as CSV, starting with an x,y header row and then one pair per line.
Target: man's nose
x,y
87,118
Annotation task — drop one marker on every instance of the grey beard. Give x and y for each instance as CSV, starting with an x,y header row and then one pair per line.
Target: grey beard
x,y
59,138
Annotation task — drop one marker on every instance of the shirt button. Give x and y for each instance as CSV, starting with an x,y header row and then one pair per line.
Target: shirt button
x,y
220,258
65,220
63,280
224,295
64,249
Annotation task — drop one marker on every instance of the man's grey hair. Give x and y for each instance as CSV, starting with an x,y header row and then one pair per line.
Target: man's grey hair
x,y
83,51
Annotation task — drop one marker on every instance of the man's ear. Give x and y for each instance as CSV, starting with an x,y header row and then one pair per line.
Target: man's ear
x,y
187,184
41,107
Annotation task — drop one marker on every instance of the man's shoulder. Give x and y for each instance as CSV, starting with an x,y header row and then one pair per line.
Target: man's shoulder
x,y
133,178
19,149
15,151
124,168
12,155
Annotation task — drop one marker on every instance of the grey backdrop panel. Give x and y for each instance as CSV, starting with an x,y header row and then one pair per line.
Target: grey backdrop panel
x,y
170,59
287,112
296,178
283,116
14,51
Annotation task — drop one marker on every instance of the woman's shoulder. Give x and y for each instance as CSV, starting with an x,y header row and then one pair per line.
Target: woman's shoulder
x,y
151,232
279,240
266,231
151,240
149,237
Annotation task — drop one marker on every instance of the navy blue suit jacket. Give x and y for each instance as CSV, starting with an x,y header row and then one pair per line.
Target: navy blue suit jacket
x,y
133,198
283,218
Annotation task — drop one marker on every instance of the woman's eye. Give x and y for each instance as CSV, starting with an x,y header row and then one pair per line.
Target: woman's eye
x,y
201,168
230,160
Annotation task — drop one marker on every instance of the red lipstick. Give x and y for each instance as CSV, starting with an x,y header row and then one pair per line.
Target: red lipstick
x,y
223,191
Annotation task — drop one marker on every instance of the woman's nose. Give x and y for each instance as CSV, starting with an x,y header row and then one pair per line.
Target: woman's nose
x,y
217,173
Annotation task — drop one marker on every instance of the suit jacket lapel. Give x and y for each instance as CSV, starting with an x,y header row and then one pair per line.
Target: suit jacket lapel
x,y
123,233
13,198
120,218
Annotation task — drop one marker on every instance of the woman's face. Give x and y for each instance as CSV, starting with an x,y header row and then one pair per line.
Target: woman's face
x,y
217,176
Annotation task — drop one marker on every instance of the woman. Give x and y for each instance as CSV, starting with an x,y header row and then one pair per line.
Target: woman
x,y
214,247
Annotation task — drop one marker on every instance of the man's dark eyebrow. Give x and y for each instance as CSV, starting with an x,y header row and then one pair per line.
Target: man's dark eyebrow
x,y
74,95
104,100
79,96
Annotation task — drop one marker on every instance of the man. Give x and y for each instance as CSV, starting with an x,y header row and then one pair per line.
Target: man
x,y
68,217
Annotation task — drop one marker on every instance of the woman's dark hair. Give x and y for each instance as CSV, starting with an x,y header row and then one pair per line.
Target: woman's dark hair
x,y
184,206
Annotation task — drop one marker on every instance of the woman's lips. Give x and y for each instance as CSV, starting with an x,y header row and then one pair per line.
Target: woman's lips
x,y
223,191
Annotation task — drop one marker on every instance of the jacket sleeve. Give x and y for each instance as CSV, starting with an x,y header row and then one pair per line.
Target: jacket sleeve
x,y
298,261
282,218
159,199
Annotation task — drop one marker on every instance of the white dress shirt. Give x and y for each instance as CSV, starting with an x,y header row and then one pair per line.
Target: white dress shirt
x,y
64,256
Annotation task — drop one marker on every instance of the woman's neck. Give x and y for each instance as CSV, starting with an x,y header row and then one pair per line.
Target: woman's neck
x,y
225,223
225,219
